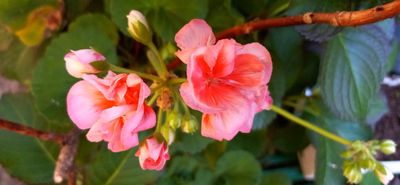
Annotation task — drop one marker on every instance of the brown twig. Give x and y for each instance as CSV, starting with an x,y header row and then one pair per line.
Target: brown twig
x,y
29,131
65,168
340,19
343,18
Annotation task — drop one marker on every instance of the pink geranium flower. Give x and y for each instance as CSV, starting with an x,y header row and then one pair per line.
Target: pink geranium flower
x,y
152,154
112,108
227,81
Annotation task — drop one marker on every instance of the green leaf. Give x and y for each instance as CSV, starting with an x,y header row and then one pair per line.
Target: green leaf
x,y
108,168
370,179
238,168
97,21
275,178
351,71
190,143
166,17
51,81
250,7
253,142
26,158
20,108
222,15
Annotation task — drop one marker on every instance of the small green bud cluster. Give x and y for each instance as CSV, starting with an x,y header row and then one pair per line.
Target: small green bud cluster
x,y
360,157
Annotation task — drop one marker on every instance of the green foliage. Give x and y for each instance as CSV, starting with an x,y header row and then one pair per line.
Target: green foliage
x,y
236,172
108,168
352,68
28,159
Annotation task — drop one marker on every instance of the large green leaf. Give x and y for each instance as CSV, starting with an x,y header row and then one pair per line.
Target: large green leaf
x,y
276,178
108,168
166,17
352,69
26,158
51,81
238,168
20,108
99,21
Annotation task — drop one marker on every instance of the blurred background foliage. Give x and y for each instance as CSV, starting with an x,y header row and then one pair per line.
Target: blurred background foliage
x,y
339,68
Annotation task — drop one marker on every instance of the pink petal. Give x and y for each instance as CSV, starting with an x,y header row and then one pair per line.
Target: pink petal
x,y
262,53
194,34
221,57
249,71
85,103
103,128
184,55
148,120
188,95
226,124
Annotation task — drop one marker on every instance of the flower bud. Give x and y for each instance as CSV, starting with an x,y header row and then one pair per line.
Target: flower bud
x,y
152,153
168,134
388,147
386,177
368,164
189,124
353,174
139,28
174,120
79,62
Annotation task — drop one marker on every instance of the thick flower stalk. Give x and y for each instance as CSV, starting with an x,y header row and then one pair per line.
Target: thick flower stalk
x,y
112,108
226,81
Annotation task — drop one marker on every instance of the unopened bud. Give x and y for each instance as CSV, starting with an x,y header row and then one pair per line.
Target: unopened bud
x,y
384,175
189,124
174,120
388,147
168,134
353,175
138,27
368,164
79,62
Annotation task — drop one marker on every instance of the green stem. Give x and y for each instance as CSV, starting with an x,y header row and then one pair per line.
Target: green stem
x,y
153,98
143,75
310,126
174,81
161,64
159,120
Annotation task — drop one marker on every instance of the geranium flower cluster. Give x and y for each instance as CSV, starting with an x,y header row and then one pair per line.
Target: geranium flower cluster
x,y
226,81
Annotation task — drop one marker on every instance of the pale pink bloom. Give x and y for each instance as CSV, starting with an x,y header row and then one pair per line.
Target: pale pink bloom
x,y
78,62
226,81
152,154
112,108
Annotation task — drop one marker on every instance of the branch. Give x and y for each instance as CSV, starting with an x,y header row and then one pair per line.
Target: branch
x,y
65,166
340,19
29,131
